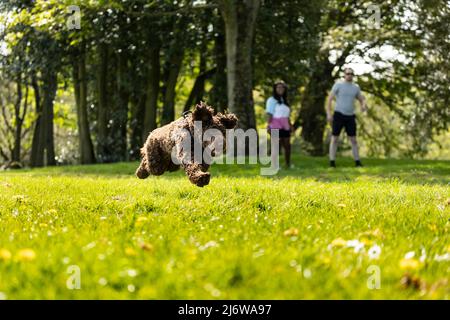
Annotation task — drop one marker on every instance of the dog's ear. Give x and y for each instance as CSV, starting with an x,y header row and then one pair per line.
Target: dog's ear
x,y
228,120
203,113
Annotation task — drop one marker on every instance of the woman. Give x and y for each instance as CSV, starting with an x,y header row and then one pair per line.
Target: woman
x,y
278,112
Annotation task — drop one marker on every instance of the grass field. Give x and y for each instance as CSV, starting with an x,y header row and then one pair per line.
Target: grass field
x,y
309,232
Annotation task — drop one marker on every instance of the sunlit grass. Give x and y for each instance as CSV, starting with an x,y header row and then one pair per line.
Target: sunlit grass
x,y
243,236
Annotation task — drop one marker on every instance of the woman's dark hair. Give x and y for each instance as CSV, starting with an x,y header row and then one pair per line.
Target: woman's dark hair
x,y
283,98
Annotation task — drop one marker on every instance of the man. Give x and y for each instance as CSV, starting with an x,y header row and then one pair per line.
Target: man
x,y
344,114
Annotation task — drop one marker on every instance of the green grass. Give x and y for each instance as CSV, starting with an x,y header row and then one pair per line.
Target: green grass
x,y
244,236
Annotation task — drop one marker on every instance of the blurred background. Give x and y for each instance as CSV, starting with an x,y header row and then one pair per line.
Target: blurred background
x,y
86,81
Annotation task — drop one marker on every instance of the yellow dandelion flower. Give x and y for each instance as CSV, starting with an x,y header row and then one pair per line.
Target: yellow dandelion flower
x,y
372,234
291,232
325,260
130,252
26,255
339,242
5,255
366,242
409,264
141,220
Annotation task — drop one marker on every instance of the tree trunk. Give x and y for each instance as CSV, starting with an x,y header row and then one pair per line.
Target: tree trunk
x,y
43,148
119,115
102,115
198,89
35,145
174,67
137,124
152,91
240,21
15,156
312,116
4,155
49,89
80,84
218,93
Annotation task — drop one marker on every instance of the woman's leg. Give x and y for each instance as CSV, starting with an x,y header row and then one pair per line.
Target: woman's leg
x,y
286,143
275,154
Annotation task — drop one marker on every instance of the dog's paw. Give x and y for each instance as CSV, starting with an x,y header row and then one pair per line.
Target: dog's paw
x,y
202,179
141,173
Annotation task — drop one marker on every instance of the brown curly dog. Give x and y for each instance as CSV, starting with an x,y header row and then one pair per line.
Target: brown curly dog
x,y
157,150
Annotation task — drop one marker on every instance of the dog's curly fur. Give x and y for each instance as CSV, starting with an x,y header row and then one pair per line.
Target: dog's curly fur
x,y
156,152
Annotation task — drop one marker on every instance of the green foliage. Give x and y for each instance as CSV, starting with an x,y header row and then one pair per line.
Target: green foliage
x,y
284,43
302,42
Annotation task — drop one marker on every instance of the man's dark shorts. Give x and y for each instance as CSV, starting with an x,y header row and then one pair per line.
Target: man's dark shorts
x,y
343,121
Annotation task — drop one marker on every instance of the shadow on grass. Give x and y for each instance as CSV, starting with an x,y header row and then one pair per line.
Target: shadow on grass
x,y
406,171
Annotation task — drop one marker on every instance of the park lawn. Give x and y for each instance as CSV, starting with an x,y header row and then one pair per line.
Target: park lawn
x,y
244,236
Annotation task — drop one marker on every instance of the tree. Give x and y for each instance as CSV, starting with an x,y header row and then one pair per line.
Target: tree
x,y
12,129
80,82
240,23
171,70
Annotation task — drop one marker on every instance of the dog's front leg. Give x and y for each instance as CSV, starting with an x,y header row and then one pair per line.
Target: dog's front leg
x,y
196,175
195,171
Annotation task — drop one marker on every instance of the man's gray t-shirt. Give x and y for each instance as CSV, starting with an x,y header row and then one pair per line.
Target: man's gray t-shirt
x,y
346,93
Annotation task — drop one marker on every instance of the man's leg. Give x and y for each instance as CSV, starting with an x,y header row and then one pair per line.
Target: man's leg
x,y
336,127
333,150
350,128
355,150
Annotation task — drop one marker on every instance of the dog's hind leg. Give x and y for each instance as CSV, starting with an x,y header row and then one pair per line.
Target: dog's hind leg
x,y
155,159
142,172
